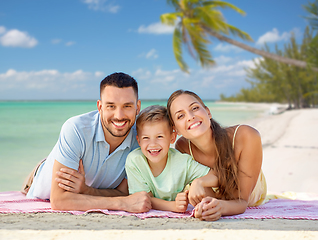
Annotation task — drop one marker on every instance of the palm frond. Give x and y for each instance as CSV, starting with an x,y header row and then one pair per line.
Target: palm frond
x,y
177,49
199,43
223,5
170,18
237,32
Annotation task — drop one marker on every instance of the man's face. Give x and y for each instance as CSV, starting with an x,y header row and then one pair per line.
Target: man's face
x,y
118,108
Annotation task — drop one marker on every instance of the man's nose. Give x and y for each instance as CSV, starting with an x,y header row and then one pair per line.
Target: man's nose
x,y
119,114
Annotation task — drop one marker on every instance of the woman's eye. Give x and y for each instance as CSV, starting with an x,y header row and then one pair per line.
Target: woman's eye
x,y
195,108
180,116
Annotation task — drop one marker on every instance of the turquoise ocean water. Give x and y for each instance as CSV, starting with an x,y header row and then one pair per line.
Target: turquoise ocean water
x,y
30,129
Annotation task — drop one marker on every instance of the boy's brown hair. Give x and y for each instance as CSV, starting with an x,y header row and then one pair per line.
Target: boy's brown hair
x,y
154,113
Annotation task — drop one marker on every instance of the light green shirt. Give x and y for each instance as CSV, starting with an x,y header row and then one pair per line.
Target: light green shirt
x,y
179,171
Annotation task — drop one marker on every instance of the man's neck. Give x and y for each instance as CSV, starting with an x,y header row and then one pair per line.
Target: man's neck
x,y
114,142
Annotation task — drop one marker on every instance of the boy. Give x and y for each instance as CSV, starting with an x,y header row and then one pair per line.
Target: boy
x,y
161,171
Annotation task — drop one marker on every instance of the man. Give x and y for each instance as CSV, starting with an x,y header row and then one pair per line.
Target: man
x,y
96,144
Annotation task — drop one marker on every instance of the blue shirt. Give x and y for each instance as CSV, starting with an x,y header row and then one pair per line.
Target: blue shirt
x,y
82,137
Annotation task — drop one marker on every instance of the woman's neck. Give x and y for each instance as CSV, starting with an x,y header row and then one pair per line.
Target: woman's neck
x,y
205,144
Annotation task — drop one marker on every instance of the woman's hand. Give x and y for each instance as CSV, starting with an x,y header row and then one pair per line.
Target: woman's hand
x,y
71,180
209,209
196,192
182,201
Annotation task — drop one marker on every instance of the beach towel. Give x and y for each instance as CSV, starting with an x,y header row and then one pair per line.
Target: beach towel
x,y
305,206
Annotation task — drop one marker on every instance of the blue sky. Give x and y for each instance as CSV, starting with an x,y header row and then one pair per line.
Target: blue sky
x,y
62,49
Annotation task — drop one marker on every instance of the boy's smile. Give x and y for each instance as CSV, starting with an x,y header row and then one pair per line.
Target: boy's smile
x,y
154,140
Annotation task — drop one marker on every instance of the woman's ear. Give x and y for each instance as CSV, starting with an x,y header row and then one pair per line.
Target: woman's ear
x,y
208,111
175,130
173,136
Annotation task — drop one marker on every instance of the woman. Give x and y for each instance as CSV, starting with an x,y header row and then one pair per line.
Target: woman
x,y
234,153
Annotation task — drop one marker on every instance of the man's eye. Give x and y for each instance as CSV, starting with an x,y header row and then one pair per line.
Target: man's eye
x,y
195,108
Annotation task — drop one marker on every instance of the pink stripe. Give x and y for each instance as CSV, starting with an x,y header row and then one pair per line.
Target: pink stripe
x,y
16,202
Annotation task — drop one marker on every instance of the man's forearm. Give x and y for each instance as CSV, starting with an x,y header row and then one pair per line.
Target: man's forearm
x,y
104,192
72,201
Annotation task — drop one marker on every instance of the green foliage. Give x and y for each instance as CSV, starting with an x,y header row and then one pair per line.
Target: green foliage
x,y
272,81
194,20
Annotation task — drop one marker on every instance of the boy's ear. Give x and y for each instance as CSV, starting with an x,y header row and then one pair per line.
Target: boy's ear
x,y
138,140
173,136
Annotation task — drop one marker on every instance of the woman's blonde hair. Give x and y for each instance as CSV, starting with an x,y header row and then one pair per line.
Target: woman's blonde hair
x,y
225,167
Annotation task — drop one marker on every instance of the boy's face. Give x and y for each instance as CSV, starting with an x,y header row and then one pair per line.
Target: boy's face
x,y
154,139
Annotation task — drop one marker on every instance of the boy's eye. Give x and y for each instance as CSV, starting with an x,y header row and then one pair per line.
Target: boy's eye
x,y
145,138
160,136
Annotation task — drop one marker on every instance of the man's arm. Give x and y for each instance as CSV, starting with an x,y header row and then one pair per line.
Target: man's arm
x,y
65,200
74,181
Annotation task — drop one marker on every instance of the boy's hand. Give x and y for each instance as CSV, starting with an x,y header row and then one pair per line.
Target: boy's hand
x,y
182,201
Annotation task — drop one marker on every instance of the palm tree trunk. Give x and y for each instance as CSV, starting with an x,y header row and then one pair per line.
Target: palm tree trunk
x,y
294,62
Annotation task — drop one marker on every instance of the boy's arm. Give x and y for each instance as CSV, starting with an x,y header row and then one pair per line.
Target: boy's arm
x,y
179,205
202,187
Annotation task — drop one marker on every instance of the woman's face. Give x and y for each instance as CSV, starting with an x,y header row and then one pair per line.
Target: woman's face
x,y
190,118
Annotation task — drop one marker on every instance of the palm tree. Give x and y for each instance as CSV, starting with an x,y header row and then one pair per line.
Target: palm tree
x,y
312,9
196,20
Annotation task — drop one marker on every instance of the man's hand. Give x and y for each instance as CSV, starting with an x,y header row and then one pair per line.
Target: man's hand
x,y
71,180
182,201
137,202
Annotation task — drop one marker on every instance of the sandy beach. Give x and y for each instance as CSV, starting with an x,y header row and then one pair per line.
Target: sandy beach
x,y
290,163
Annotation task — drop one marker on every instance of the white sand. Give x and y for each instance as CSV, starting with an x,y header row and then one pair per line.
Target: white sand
x,y
290,163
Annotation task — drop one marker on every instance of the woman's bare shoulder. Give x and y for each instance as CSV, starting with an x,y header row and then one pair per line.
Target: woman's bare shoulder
x,y
244,133
247,134
182,145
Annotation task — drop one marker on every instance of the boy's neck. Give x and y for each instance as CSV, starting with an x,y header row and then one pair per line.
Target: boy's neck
x,y
158,167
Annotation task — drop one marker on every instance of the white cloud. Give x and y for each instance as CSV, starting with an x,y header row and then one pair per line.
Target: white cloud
x,y
156,28
70,43
2,29
56,41
227,48
99,74
16,38
274,36
152,54
100,5
47,80
222,59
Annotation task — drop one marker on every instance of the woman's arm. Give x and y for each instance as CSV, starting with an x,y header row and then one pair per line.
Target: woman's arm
x,y
248,152
202,187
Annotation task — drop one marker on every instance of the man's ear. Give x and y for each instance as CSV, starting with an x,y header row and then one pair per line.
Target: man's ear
x,y
99,105
208,110
138,107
